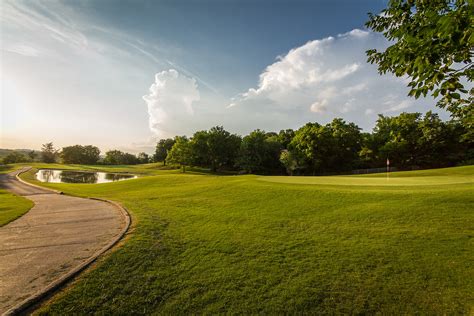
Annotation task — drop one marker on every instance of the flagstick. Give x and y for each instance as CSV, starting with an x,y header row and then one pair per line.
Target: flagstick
x,y
388,169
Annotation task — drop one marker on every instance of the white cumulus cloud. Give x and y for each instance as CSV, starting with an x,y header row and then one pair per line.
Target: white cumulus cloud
x,y
324,79
316,82
170,102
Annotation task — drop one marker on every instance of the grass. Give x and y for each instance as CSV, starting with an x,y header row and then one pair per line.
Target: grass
x,y
11,206
249,244
445,176
9,168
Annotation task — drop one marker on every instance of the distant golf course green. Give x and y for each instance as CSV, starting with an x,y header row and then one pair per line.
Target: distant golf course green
x,y
250,244
426,177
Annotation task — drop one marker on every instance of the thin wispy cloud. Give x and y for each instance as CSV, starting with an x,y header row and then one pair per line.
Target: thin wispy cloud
x,y
190,74
23,49
38,18
56,21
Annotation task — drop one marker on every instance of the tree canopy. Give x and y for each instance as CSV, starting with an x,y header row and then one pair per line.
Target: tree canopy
x,y
49,154
162,148
433,45
78,154
14,157
409,140
117,157
259,153
180,153
215,148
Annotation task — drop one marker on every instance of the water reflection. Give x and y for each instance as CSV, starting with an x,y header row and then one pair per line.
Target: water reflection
x,y
67,176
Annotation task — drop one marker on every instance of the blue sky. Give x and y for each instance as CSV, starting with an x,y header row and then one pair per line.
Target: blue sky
x,y
218,38
122,74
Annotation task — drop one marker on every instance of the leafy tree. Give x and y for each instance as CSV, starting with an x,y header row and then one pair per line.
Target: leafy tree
x,y
333,147
162,148
411,139
200,149
14,157
91,154
442,143
113,157
78,154
366,154
311,143
48,153
433,143
72,154
180,153
216,148
347,140
433,46
223,148
398,139
32,154
143,158
285,137
365,157
259,152
408,140
288,159
117,157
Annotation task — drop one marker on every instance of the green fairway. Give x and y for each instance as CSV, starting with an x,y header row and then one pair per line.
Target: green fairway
x,y
237,244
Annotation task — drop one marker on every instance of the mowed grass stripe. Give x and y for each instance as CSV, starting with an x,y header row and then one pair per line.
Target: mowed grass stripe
x,y
210,244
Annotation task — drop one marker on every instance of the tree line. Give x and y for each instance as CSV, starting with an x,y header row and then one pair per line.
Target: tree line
x,y
409,140
77,154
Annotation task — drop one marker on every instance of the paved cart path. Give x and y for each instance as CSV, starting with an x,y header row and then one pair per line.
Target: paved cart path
x,y
58,235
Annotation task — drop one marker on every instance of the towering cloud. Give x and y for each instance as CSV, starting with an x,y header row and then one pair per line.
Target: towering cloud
x,y
170,102
323,79
315,82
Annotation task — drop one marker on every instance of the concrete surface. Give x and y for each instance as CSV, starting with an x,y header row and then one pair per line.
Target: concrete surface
x,y
59,234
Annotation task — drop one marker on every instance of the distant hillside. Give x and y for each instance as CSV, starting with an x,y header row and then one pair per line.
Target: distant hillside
x,y
5,152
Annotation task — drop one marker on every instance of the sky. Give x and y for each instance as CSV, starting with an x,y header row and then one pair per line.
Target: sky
x,y
122,74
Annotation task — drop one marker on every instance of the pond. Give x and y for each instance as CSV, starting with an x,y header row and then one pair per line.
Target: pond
x,y
67,176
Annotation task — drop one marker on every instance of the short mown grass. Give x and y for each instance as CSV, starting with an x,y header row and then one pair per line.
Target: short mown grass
x,y
237,244
11,206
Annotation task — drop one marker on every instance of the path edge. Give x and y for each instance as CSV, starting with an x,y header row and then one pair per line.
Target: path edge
x,y
17,176
38,297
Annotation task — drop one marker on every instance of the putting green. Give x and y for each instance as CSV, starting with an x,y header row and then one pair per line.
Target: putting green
x,y
411,178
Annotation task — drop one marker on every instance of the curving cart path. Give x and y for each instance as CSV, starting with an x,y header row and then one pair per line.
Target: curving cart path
x,y
52,242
